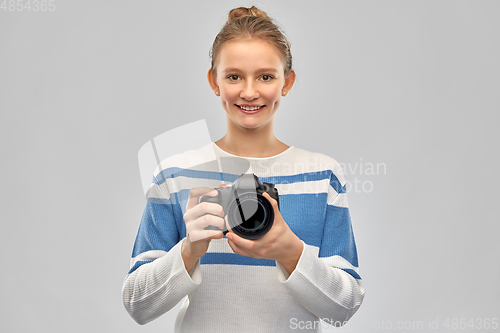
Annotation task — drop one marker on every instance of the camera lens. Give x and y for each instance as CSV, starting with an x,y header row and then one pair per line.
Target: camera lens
x,y
255,220
251,215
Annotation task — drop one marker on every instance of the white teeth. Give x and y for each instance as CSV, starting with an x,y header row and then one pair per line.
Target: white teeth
x,y
251,108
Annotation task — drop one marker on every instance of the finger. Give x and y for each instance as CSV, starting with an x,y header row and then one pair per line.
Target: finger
x,y
239,250
241,243
205,222
197,229
273,202
233,247
198,235
203,208
218,235
196,192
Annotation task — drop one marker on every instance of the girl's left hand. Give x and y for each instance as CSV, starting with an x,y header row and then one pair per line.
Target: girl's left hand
x,y
279,244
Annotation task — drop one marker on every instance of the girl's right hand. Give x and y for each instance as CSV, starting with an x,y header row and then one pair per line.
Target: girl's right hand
x,y
198,217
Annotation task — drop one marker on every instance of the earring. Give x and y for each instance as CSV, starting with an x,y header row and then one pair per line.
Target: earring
x,y
217,93
284,93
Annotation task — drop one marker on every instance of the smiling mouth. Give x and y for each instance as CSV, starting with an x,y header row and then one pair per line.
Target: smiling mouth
x,y
250,109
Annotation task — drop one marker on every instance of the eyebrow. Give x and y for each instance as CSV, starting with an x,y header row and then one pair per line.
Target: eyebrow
x,y
233,69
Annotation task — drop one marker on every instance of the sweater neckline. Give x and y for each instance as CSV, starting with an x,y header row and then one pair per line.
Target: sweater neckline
x,y
290,148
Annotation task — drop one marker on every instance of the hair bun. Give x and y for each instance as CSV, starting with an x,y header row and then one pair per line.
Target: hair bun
x,y
243,11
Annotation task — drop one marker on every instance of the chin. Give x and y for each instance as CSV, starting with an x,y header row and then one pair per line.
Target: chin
x,y
254,125
250,126
247,123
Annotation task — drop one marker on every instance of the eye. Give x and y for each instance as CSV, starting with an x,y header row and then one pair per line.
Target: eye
x,y
233,77
266,77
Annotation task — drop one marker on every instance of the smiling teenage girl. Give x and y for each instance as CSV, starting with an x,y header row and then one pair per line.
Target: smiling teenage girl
x,y
305,268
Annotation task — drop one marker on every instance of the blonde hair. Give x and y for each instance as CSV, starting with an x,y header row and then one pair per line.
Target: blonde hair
x,y
248,23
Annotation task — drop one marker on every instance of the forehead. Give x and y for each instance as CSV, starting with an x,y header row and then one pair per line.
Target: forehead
x,y
249,55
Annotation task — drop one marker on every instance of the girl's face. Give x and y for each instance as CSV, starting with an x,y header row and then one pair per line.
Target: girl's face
x,y
251,81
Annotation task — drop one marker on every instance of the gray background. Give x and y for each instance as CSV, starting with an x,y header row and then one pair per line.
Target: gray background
x,y
411,85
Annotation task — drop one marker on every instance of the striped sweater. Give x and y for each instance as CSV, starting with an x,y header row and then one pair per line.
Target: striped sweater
x,y
227,292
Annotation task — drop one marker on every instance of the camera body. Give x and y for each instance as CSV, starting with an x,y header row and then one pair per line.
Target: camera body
x,y
250,214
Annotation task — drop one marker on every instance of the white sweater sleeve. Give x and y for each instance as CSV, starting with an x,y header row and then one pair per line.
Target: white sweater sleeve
x,y
156,287
328,292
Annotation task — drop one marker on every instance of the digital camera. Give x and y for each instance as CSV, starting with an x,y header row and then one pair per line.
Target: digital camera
x,y
250,214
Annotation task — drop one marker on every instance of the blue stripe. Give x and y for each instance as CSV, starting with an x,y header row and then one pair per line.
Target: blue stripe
x,y
234,259
157,230
335,183
352,272
305,215
137,265
297,178
189,173
159,201
308,177
338,236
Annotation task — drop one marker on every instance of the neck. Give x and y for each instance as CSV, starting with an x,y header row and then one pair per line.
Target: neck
x,y
251,142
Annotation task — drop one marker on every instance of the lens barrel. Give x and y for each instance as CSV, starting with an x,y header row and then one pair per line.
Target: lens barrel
x,y
250,215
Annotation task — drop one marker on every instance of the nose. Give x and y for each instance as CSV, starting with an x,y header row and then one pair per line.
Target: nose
x,y
249,91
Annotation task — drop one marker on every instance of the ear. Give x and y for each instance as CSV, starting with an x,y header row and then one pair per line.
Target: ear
x,y
212,81
289,80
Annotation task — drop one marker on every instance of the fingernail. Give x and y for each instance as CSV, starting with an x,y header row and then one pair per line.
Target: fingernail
x,y
214,192
229,236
